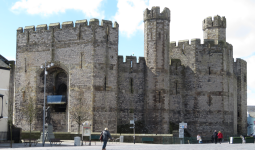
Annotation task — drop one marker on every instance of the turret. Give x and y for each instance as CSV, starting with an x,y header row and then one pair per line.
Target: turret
x,y
215,29
156,53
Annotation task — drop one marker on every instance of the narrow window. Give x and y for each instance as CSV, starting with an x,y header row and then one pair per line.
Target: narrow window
x,y
81,60
107,34
238,114
159,36
209,70
131,85
131,63
25,65
105,83
159,96
176,66
176,87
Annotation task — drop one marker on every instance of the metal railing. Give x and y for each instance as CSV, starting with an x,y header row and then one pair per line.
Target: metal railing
x,y
3,136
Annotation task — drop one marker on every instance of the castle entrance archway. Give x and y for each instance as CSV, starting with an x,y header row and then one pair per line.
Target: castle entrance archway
x,y
56,96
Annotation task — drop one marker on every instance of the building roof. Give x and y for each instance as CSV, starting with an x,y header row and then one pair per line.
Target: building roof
x,y
251,110
4,63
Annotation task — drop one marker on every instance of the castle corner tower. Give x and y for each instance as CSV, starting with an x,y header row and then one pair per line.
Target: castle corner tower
x,y
156,46
215,29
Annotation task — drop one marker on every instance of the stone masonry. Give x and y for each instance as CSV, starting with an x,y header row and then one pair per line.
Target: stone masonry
x,y
200,84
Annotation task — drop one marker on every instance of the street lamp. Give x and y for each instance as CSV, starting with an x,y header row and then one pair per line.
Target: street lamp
x,y
45,66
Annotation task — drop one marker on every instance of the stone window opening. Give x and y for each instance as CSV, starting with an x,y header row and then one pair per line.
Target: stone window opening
x,y
131,85
209,70
25,64
159,96
105,83
107,34
244,79
238,114
159,36
176,66
176,86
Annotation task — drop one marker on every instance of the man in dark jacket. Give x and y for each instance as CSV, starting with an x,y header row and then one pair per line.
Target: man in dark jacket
x,y
106,135
215,136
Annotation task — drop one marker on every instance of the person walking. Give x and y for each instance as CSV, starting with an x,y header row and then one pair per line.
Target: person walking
x,y
215,136
199,139
220,136
106,135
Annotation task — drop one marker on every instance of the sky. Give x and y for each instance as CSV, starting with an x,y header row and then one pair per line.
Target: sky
x,y
186,22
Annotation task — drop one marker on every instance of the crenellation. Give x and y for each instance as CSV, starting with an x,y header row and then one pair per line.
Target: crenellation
x,y
195,41
29,28
42,27
81,23
20,30
67,25
54,26
155,13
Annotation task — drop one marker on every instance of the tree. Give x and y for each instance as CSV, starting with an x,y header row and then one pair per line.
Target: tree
x,y
80,110
29,112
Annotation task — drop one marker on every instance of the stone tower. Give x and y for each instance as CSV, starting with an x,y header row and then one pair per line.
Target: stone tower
x,y
215,29
156,47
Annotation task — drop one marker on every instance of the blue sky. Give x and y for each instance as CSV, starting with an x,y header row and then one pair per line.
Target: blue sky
x,y
186,22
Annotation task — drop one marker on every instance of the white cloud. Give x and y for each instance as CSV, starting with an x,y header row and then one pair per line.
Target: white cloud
x,y
130,15
48,7
186,23
187,16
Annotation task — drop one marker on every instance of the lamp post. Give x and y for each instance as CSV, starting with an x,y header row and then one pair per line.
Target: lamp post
x,y
45,66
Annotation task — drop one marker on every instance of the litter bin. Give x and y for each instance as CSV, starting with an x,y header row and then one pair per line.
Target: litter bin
x,y
121,139
77,141
230,140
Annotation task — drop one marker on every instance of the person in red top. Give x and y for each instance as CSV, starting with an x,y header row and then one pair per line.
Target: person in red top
x,y
220,136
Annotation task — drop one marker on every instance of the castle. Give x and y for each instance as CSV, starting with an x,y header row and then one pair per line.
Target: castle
x,y
200,84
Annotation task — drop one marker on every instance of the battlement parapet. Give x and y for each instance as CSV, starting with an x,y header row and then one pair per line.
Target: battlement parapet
x,y
41,27
29,28
154,13
131,58
69,24
219,22
197,42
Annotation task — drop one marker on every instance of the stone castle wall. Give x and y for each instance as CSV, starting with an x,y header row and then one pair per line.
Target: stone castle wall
x,y
192,82
87,56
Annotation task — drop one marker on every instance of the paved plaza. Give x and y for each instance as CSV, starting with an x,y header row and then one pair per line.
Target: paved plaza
x,y
69,145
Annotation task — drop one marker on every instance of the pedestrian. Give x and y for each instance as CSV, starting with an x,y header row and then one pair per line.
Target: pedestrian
x,y
199,139
212,138
106,135
220,136
215,136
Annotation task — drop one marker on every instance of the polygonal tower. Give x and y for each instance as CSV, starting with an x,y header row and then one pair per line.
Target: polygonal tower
x,y
156,46
215,29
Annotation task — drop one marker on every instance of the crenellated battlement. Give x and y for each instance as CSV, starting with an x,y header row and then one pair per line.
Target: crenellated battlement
x,y
69,25
197,42
154,13
219,22
131,58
